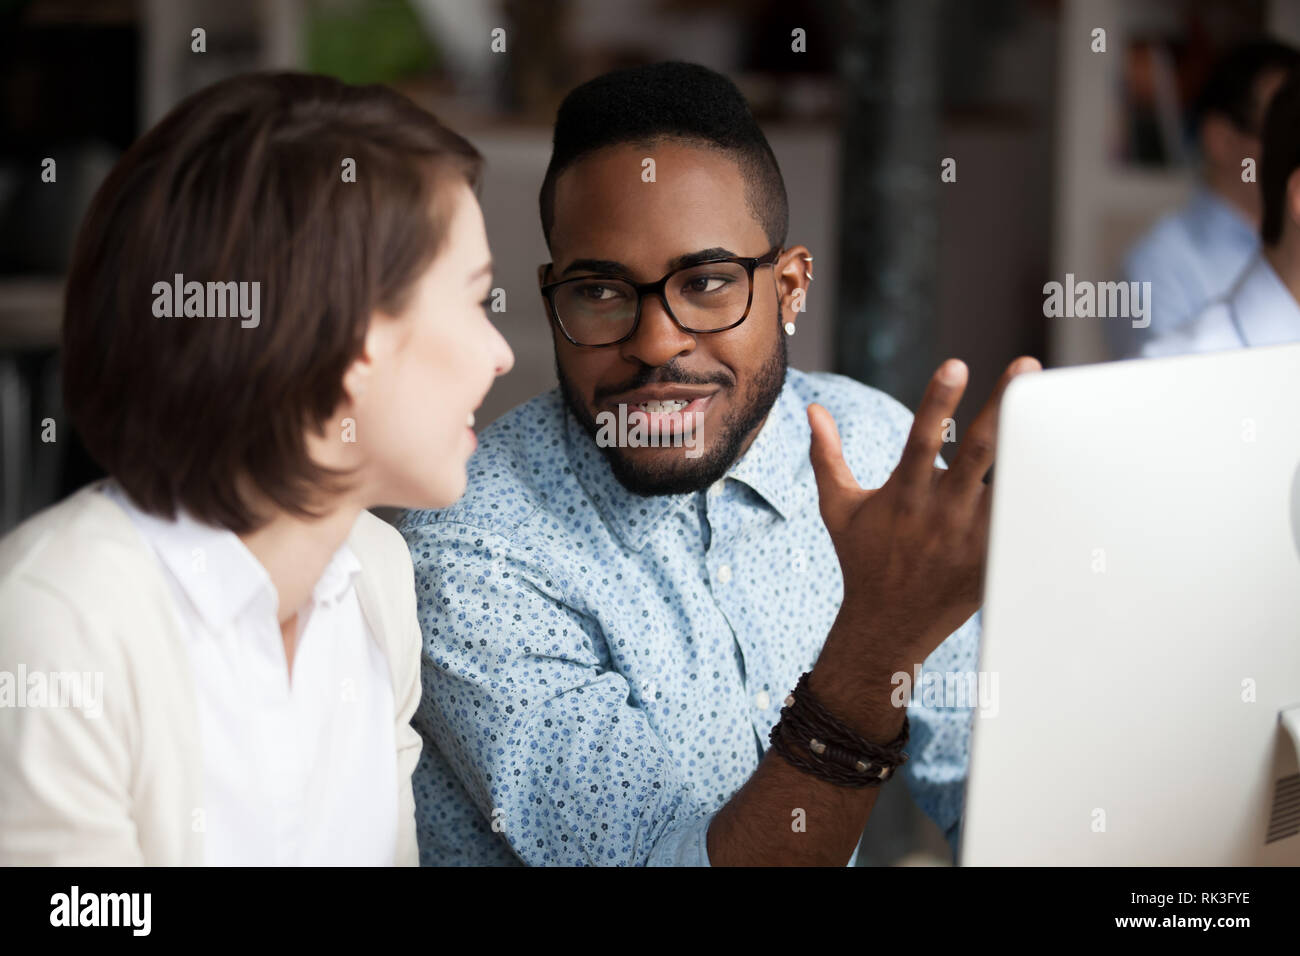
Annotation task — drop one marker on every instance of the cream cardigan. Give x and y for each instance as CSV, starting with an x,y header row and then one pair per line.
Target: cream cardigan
x,y
81,592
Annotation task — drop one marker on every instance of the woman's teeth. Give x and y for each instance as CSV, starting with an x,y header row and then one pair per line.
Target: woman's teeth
x,y
471,420
660,408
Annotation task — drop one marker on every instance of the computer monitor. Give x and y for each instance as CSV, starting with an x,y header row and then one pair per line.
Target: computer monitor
x,y
1142,618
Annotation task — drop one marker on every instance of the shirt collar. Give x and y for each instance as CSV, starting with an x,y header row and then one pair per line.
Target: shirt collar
x,y
772,464
770,467
630,515
1264,309
339,575
221,577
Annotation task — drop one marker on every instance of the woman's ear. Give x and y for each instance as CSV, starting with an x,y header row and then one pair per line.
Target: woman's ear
x,y
357,378
793,273
361,370
386,336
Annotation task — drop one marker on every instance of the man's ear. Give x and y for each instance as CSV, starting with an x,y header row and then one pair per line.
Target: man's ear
x,y
794,274
1220,140
1293,200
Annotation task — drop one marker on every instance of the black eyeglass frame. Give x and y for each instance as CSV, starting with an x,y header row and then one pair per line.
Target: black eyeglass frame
x,y
658,288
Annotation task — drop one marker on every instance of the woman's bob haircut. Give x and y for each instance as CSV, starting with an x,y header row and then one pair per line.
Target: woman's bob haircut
x,y
320,204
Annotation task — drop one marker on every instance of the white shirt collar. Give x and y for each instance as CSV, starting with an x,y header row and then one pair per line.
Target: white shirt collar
x,y
1265,311
217,572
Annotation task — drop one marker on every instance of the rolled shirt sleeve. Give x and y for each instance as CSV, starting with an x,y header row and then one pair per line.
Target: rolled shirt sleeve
x,y
939,747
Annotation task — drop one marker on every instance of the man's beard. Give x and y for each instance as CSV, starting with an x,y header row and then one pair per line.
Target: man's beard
x,y
679,475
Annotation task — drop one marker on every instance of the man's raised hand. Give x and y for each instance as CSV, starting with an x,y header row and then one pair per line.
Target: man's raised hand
x,y
912,551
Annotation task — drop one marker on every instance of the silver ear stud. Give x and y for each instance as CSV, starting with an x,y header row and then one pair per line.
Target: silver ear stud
x,y
789,328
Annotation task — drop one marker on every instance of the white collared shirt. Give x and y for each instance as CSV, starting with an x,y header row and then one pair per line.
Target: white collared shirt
x,y
1191,257
299,772
1258,310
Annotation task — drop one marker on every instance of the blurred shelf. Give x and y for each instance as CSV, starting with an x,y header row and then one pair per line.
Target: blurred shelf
x,y
31,312
81,12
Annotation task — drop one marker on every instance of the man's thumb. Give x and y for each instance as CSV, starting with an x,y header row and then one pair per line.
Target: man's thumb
x,y
837,489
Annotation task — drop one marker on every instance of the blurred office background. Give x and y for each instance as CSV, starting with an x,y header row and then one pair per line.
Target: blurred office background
x,y
1064,154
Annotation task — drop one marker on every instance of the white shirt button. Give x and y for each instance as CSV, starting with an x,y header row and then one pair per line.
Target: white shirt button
x,y
724,574
762,701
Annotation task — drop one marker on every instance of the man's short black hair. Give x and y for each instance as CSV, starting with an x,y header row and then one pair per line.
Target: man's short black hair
x,y
671,100
1281,156
1232,87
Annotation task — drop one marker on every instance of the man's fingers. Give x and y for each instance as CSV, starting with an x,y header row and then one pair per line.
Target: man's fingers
x,y
980,532
837,490
916,466
979,444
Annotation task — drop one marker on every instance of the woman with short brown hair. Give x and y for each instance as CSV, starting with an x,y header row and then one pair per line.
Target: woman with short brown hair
x,y
274,321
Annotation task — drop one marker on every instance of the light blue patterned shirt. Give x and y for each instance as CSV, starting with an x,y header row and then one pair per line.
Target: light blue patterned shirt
x,y
602,670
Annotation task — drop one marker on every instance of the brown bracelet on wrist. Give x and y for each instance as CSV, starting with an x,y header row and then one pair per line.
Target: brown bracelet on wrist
x,y
812,740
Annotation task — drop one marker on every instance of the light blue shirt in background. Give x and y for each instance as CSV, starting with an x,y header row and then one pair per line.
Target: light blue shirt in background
x,y
602,670
1257,310
1191,257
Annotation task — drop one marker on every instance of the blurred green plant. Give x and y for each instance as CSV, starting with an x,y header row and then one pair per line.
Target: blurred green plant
x,y
366,41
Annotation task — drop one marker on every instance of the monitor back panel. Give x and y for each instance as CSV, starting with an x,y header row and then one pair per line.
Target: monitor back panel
x,y
1142,616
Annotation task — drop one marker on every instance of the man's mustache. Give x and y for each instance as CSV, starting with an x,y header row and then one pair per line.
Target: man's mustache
x,y
670,374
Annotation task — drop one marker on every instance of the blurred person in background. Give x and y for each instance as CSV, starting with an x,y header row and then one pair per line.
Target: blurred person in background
x,y
1193,256
235,633
1261,306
